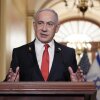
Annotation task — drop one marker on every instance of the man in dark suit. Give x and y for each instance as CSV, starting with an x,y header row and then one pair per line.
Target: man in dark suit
x,y
27,59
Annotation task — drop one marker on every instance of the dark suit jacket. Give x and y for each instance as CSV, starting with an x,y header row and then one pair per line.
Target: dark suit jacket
x,y
25,58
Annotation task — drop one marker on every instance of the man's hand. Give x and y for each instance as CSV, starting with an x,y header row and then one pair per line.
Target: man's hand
x,y
13,77
76,77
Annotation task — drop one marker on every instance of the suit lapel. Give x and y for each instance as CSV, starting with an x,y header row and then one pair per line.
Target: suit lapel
x,y
33,59
56,61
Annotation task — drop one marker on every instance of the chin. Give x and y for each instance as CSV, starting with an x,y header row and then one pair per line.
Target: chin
x,y
43,40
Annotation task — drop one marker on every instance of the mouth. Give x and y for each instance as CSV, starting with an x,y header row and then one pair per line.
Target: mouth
x,y
44,35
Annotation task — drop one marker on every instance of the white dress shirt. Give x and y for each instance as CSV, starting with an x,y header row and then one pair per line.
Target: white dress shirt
x,y
39,49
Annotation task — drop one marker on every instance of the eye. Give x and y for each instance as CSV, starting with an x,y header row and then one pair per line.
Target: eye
x,y
39,23
50,23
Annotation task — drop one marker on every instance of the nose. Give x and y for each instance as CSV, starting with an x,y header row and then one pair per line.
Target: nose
x,y
44,28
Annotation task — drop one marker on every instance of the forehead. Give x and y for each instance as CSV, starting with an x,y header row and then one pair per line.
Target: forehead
x,y
46,16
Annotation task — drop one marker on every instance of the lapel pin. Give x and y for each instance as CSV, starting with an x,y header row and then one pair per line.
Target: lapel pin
x,y
59,49
30,49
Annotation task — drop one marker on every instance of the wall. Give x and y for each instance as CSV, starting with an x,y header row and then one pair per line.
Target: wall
x,y
12,31
2,38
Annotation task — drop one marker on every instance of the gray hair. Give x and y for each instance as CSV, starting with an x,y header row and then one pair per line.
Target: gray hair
x,y
50,10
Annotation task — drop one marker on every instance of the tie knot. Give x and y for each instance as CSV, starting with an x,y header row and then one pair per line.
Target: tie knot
x,y
46,46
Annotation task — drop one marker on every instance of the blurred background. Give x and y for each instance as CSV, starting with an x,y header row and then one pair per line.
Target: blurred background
x,y
80,28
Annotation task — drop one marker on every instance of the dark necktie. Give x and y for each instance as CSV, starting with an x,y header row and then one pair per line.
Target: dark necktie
x,y
45,63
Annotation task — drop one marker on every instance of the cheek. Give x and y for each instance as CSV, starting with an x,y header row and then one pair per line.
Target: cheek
x,y
37,28
53,30
52,34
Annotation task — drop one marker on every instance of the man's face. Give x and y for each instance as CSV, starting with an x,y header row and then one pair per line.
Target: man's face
x,y
46,26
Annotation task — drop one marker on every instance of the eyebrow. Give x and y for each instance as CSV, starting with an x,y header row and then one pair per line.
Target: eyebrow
x,y
47,22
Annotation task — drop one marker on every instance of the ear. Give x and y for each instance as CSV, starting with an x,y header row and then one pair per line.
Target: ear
x,y
57,27
34,25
